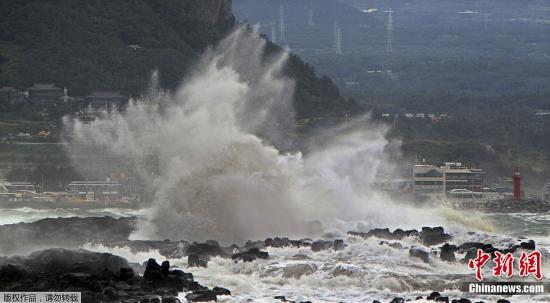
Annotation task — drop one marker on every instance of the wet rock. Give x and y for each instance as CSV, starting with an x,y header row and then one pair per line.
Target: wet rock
x,y
448,253
420,253
165,268
338,244
398,300
63,232
296,243
220,291
321,245
152,271
470,254
250,255
169,299
115,283
207,249
469,245
433,236
529,245
109,293
462,300
193,260
433,295
375,301
126,274
503,301
442,299
202,296
419,298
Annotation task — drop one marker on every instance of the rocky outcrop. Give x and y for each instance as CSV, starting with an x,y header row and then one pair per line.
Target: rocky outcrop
x,y
101,277
428,236
22,238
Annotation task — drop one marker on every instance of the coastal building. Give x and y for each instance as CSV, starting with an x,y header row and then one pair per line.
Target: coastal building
x,y
458,176
12,187
46,93
95,190
428,179
8,92
452,180
106,100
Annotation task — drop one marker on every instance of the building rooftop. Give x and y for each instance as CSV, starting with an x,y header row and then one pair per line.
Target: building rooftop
x,y
7,89
106,94
43,86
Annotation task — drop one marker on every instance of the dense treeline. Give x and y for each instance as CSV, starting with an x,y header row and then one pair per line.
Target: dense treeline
x,y
88,45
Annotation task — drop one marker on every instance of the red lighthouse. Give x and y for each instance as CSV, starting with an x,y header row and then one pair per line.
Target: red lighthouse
x,y
517,185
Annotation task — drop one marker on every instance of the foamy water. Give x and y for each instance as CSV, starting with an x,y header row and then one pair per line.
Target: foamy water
x,y
362,272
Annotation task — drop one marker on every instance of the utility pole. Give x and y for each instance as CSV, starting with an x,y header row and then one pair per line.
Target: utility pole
x,y
337,39
282,23
389,42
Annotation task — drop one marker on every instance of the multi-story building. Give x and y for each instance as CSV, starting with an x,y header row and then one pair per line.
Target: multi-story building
x,y
428,179
453,177
45,93
458,176
96,190
12,187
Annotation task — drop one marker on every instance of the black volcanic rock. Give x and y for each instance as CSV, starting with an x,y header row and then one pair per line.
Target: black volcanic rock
x,y
250,255
420,253
99,277
321,245
63,232
202,296
193,260
338,244
208,249
448,252
433,236
384,233
529,245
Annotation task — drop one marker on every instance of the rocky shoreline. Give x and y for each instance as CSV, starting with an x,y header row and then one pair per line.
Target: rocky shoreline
x,y
103,277
505,206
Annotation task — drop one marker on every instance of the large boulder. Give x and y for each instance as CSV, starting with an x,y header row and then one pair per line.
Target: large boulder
x,y
448,252
433,236
250,255
420,253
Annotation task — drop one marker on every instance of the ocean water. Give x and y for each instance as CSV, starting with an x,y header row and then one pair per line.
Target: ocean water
x,y
364,270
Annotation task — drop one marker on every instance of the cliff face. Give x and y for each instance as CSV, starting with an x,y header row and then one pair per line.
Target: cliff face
x,y
214,11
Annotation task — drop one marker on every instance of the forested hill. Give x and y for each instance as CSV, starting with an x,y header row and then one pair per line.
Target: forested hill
x,y
115,44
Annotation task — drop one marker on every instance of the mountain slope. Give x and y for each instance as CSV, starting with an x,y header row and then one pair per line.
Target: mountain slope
x,y
100,44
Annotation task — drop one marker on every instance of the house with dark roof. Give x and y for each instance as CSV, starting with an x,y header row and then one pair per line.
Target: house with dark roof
x,y
45,93
106,100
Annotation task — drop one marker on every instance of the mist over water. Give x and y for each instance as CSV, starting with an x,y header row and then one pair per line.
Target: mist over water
x,y
210,153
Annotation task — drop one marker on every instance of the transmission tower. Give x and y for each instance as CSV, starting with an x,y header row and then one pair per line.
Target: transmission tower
x,y
389,44
273,32
282,23
337,39
310,18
